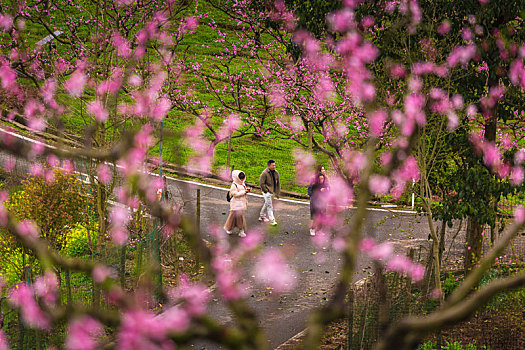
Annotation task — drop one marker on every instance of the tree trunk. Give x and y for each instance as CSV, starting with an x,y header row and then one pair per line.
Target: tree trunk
x,y
442,240
473,244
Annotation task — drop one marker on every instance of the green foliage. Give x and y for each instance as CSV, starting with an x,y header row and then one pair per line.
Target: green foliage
x,y
53,205
429,345
457,345
77,241
450,284
11,263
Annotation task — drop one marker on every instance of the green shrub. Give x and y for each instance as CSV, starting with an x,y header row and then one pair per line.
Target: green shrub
x,y
77,243
457,345
449,284
11,266
429,345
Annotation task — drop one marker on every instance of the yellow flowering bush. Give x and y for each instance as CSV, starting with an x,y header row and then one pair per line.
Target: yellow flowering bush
x,y
77,241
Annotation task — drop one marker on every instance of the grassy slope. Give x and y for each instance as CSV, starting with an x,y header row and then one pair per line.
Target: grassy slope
x,y
248,154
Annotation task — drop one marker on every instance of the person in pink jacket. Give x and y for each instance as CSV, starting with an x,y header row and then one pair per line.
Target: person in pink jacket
x,y
238,204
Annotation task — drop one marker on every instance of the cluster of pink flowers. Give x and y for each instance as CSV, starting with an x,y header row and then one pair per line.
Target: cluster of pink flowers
x,y
23,296
272,270
83,333
384,252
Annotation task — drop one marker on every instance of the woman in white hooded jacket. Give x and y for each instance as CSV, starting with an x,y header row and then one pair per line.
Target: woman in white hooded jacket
x,y
238,204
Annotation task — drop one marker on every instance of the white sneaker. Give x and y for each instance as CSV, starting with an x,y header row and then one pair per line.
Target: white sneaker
x,y
312,232
229,232
263,219
242,234
273,223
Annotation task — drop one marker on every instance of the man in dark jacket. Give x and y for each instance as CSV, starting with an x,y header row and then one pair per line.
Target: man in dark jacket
x,y
270,186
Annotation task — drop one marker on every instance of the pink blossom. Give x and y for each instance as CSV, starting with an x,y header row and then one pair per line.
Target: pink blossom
x,y
140,329
27,228
76,83
104,173
53,161
123,3
397,71
342,20
10,163
122,45
4,196
8,76
21,296
271,269
409,170
175,319
324,89
368,21
417,272
339,196
82,334
304,165
97,109
367,244
36,123
119,215
119,235
4,215
517,175
415,84
161,108
49,176
399,263
491,154
48,91
191,23
102,272
519,157
228,285
195,295
471,111
135,80
376,121
6,22
519,214
46,287
339,244
321,238
382,251
68,166
4,345
386,158
253,239
379,184
461,54
436,294
453,121
231,124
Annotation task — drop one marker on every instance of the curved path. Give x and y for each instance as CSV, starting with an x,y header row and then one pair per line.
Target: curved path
x,y
282,317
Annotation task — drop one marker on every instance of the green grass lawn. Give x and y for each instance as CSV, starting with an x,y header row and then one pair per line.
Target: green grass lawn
x,y
248,154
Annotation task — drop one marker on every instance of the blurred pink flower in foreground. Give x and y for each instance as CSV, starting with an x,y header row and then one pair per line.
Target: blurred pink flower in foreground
x,y
271,269
82,334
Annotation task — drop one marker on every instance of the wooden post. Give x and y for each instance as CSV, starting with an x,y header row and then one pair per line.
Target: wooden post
x,y
309,129
67,275
198,225
228,152
123,266
350,319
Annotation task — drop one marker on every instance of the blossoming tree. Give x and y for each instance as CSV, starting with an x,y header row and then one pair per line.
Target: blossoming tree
x,y
332,87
